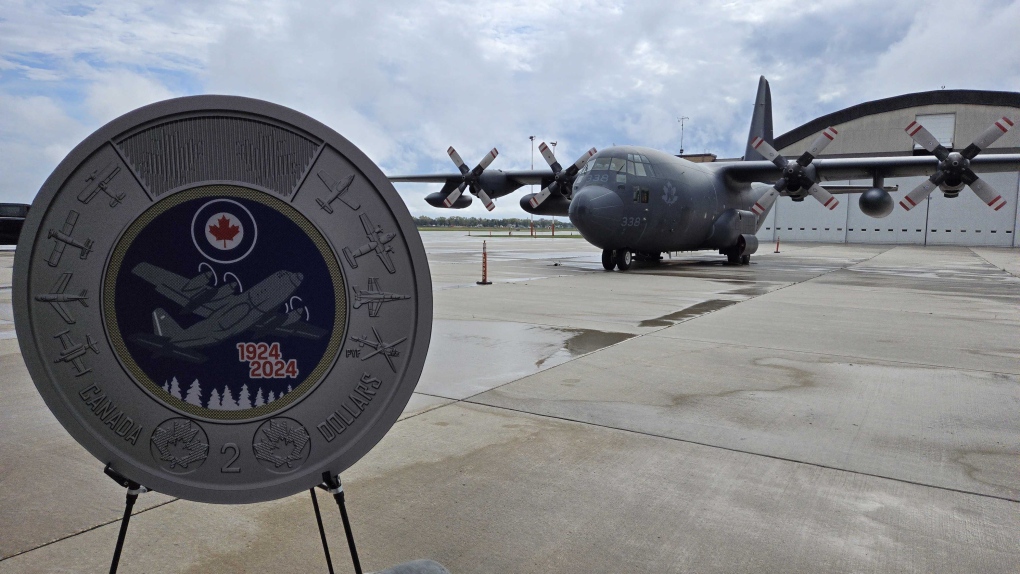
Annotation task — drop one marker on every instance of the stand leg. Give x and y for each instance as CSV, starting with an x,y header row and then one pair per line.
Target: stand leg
x,y
334,487
322,531
134,489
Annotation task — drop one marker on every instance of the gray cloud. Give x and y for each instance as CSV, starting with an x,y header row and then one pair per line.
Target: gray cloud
x,y
405,79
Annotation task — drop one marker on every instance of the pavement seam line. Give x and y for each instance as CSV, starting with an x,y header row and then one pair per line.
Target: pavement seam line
x,y
89,529
748,452
983,258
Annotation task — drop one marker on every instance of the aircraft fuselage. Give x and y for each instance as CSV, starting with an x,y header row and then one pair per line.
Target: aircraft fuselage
x,y
242,312
665,204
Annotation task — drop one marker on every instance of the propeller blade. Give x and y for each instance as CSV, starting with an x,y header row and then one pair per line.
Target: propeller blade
x,y
768,152
820,143
549,157
987,194
485,199
988,137
580,163
457,160
823,196
765,202
543,195
486,161
452,198
915,197
925,139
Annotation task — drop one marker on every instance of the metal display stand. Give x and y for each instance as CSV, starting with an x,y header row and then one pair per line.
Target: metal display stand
x,y
331,484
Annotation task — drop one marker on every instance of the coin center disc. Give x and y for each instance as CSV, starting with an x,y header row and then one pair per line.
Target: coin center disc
x,y
224,303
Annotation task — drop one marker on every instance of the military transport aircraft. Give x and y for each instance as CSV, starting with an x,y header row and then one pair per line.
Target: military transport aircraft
x,y
635,202
224,315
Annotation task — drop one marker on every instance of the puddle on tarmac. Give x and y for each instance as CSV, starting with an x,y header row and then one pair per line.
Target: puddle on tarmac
x,y
469,357
695,310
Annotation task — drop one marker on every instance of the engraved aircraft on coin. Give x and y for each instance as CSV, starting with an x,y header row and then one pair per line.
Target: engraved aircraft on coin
x,y
93,185
385,349
58,297
63,238
374,297
377,242
74,353
337,191
225,312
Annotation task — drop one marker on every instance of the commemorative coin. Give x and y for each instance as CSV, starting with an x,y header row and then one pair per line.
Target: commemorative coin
x,y
222,298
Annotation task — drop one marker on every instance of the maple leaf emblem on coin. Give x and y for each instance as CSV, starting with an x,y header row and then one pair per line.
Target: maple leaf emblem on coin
x,y
223,230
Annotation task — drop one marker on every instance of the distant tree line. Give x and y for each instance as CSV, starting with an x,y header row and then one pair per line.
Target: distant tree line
x,y
510,222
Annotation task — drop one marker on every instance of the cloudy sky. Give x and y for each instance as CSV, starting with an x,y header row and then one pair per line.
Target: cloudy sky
x,y
404,79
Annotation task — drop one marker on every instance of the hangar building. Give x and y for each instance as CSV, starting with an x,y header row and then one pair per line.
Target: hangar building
x,y
955,117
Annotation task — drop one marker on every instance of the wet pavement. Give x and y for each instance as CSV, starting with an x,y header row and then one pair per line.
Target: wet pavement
x,y
836,408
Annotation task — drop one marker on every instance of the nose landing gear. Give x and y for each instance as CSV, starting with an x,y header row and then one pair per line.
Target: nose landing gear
x,y
608,259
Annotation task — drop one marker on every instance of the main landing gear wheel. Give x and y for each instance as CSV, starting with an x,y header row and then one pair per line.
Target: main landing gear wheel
x,y
623,258
745,260
733,258
608,259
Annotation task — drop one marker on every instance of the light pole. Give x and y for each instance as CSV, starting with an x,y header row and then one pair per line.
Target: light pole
x,y
681,120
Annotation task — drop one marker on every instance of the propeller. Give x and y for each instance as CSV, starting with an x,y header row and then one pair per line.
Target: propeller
x,y
560,175
796,175
469,179
954,167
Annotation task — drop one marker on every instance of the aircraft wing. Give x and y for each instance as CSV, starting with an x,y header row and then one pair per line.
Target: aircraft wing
x,y
271,325
171,286
61,284
384,256
490,179
62,311
72,218
839,169
58,250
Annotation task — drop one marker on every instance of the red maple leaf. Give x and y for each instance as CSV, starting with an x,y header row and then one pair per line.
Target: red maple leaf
x,y
223,231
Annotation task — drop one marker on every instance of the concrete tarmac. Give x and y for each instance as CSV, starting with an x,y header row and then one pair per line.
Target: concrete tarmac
x,y
831,408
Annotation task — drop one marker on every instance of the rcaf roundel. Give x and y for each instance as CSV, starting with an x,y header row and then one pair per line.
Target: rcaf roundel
x,y
224,231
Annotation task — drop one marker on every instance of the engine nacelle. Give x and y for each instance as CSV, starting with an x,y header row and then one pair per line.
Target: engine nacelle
x,y
555,205
746,244
876,202
436,200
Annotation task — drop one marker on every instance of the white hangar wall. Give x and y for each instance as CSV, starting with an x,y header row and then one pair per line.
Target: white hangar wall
x,y
877,128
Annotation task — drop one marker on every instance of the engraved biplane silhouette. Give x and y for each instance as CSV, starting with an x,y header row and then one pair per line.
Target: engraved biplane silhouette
x,y
93,185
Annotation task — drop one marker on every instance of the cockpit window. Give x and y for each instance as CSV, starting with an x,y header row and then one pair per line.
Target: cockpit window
x,y
632,164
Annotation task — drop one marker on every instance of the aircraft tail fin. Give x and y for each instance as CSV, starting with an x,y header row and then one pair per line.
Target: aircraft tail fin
x,y
761,120
163,325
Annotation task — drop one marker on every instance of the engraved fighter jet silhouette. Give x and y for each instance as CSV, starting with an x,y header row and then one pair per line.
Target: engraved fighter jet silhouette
x,y
337,189
377,241
94,185
374,298
63,239
58,297
75,353
385,349
225,314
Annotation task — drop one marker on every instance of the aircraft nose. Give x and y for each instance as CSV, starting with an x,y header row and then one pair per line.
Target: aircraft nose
x,y
596,212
